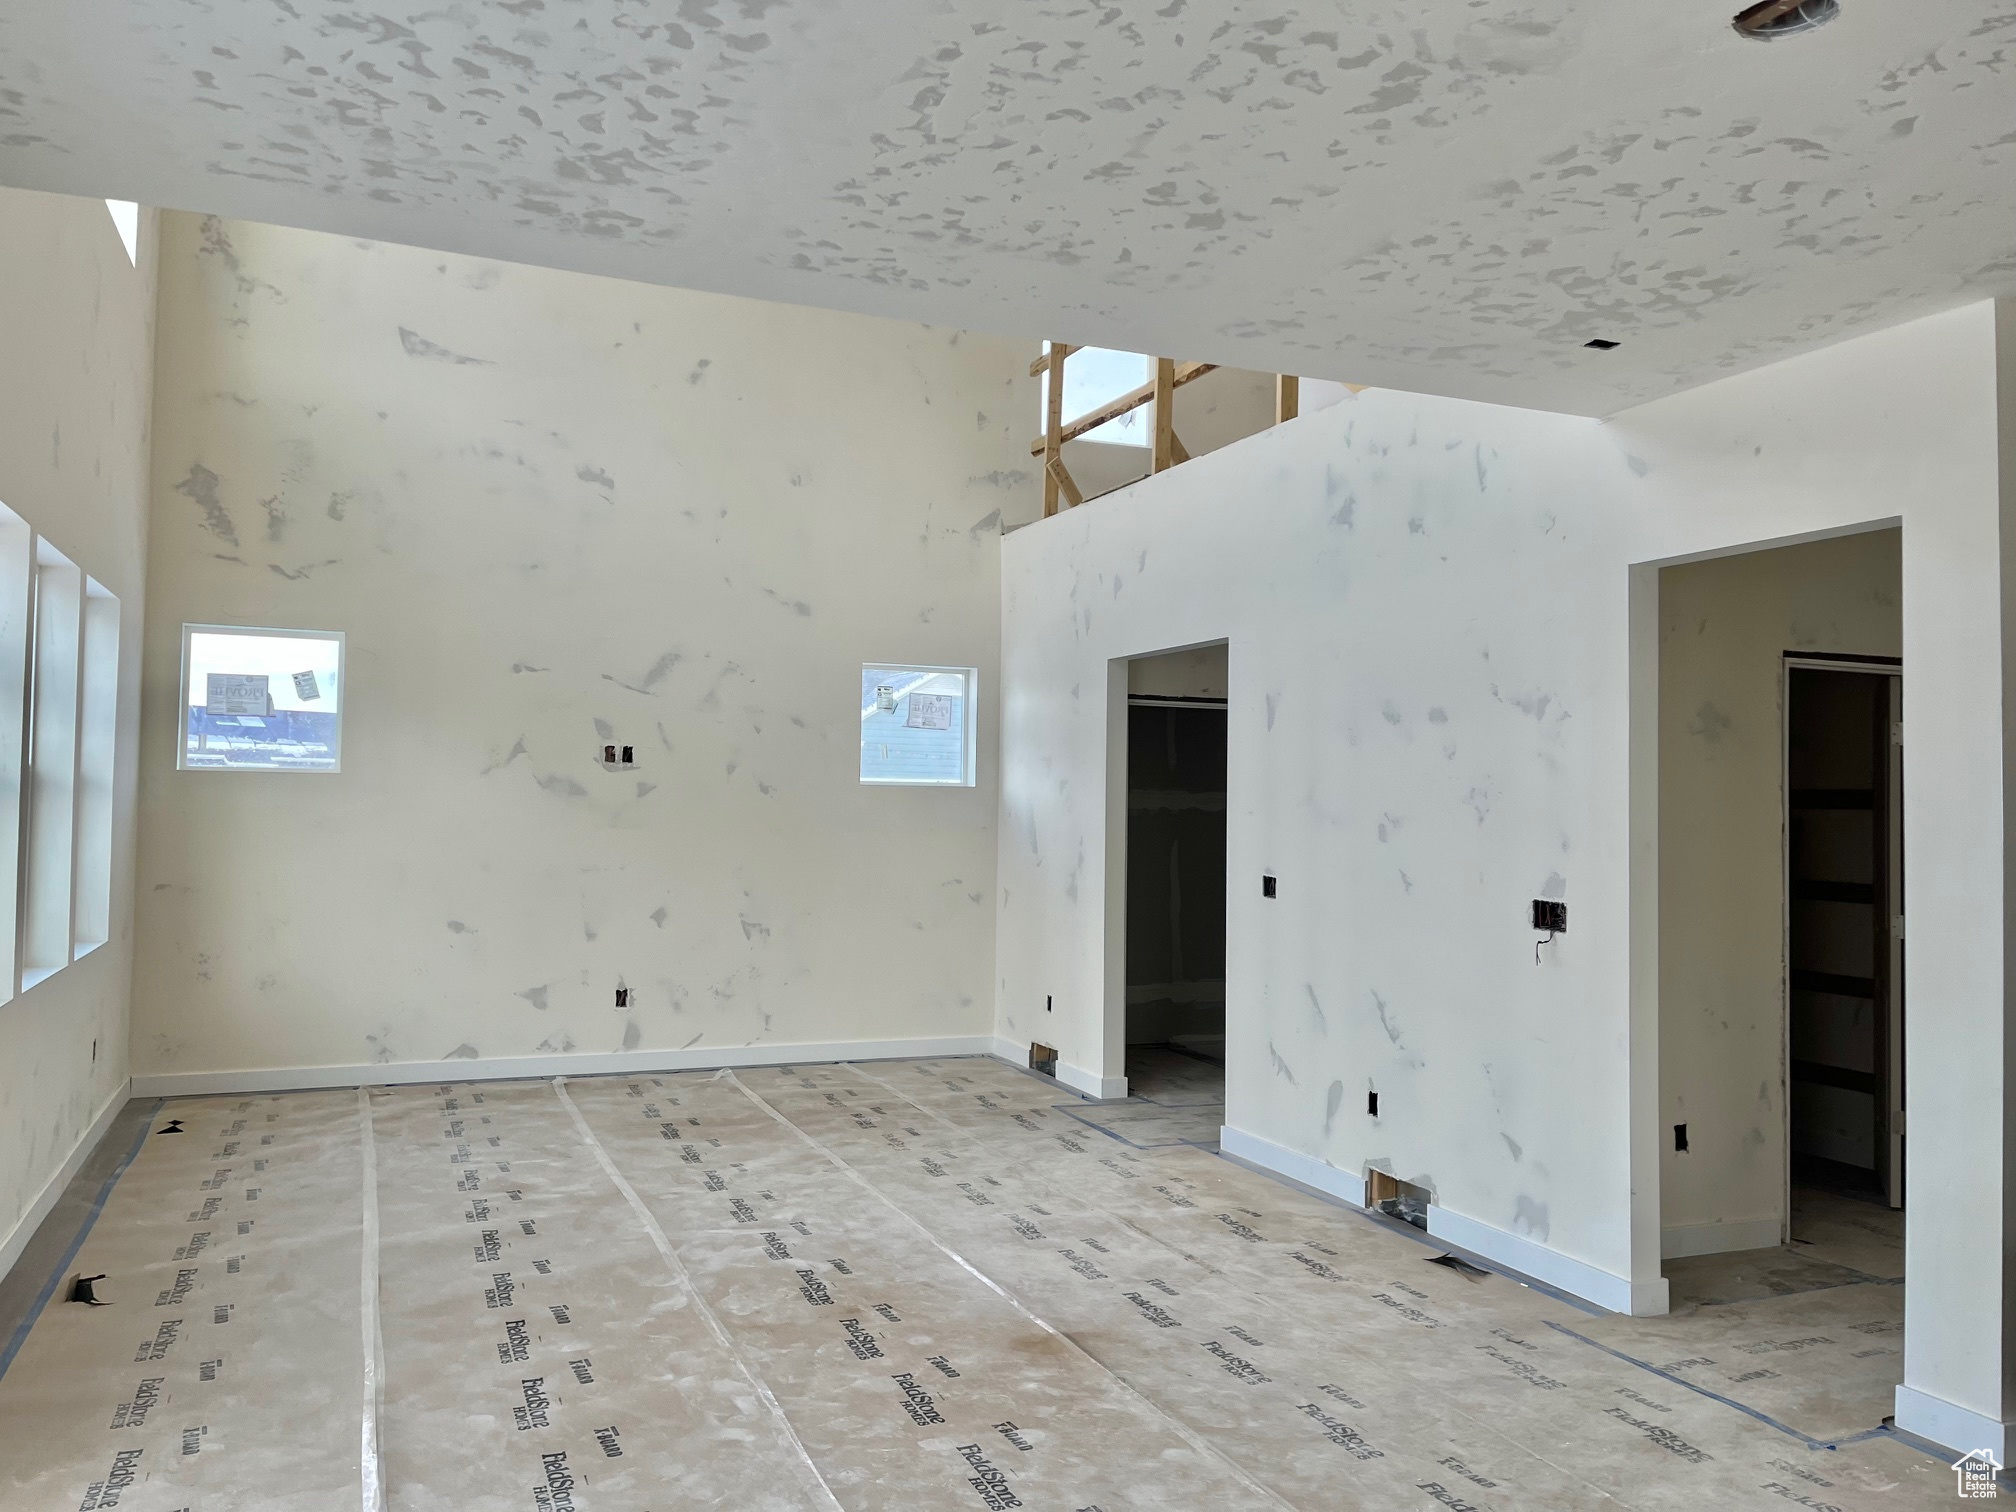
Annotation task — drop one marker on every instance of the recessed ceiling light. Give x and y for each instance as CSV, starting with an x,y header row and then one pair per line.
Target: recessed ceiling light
x,y
1599,344
1772,19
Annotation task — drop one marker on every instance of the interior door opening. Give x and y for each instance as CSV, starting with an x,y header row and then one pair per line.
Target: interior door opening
x,y
1780,906
1175,951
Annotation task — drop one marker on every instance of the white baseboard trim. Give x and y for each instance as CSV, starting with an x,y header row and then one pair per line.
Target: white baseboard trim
x,y
1306,1170
531,1067
1685,1239
1578,1278
1524,1257
1958,1428
31,1220
1078,1079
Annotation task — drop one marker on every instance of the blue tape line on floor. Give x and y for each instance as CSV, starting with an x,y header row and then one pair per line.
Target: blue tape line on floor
x,y
1715,1396
84,1232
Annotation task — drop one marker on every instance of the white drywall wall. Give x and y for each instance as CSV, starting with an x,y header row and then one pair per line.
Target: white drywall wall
x,y
1724,626
1199,673
73,463
551,512
1444,702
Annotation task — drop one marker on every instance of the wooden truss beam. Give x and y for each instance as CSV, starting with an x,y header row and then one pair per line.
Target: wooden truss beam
x,y
1051,443
1163,454
1166,448
1287,397
1133,399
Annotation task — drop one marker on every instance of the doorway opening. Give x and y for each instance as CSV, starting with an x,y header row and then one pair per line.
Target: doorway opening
x,y
1175,929
1781,1007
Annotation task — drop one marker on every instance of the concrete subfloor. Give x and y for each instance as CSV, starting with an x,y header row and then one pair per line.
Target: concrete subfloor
x,y
909,1285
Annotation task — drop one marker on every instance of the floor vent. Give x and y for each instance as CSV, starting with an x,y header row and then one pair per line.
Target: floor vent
x,y
1388,1194
1042,1058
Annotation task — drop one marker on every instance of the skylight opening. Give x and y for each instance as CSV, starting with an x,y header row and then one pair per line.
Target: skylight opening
x,y
126,217
1094,376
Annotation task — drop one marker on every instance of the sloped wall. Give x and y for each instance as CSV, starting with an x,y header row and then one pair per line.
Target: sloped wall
x,y
73,463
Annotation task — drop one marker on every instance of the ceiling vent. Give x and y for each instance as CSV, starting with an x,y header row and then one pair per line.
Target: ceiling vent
x,y
1773,19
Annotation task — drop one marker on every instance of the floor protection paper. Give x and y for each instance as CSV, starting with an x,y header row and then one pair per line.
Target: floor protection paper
x,y
908,1286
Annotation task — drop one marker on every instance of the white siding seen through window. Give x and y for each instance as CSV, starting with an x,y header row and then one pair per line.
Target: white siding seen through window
x,y
917,725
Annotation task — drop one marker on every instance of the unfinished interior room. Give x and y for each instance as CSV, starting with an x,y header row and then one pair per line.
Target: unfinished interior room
x,y
937,757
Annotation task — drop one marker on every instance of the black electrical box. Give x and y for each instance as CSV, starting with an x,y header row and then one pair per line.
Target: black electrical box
x,y
1550,916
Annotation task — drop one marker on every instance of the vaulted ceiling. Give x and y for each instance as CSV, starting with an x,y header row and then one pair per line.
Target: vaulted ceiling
x,y
1445,195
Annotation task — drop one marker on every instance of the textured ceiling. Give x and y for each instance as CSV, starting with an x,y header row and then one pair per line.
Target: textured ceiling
x,y
1446,195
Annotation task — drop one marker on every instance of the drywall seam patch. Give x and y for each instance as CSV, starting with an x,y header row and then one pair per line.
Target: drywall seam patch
x,y
546,1067
1183,1430
672,1263
56,1276
52,1190
371,1466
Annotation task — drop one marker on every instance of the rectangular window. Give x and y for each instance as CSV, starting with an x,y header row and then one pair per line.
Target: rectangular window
x,y
52,765
59,736
917,725
17,607
97,752
262,700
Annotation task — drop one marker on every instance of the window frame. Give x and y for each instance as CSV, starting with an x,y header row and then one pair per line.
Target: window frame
x,y
61,661
969,701
189,631
1145,412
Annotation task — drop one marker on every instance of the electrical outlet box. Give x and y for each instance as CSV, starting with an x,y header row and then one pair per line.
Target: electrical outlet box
x,y
1550,916
1267,887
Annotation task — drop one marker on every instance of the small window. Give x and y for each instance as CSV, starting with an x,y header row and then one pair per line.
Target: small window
x,y
126,219
1094,376
262,700
917,725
